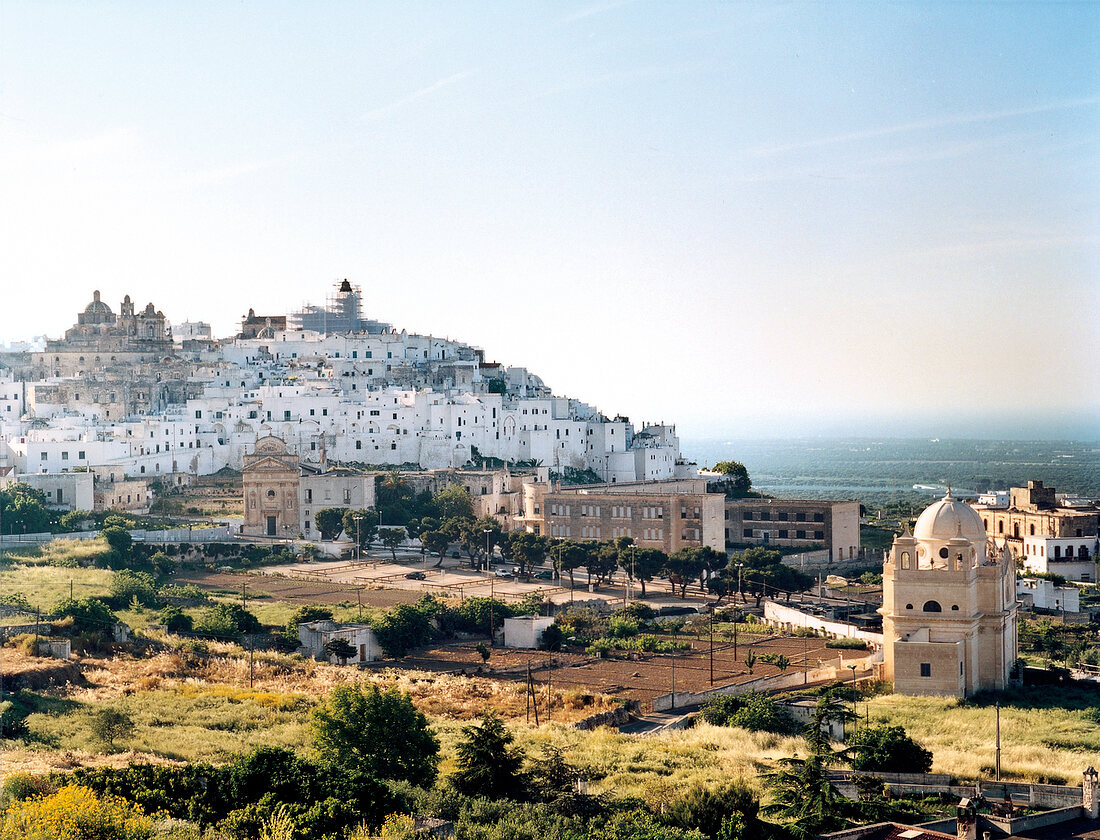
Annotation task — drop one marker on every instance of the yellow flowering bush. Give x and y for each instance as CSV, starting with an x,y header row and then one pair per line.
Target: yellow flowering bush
x,y
75,813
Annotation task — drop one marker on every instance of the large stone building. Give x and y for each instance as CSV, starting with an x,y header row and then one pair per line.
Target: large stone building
x,y
665,515
794,523
271,479
100,340
949,606
1046,536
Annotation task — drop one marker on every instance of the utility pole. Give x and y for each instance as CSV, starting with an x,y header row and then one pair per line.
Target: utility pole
x,y
712,645
998,762
70,589
673,680
492,596
549,690
359,598
251,650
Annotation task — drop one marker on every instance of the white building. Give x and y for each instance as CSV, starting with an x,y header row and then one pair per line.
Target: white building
x,y
1042,594
316,634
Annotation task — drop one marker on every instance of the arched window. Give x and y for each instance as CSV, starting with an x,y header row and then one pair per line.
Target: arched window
x,y
1016,530
955,607
271,494
1001,527
905,559
908,606
932,606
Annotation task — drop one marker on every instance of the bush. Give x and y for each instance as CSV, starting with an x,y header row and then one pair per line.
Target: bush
x,y
619,627
90,617
175,620
887,749
75,813
227,621
753,711
110,725
402,628
846,644
707,809
127,585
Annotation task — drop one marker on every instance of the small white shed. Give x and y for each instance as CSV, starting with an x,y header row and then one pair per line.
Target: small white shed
x,y
525,631
316,634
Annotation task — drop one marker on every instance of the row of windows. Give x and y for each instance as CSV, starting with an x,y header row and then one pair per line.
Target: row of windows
x,y
782,516
695,514
65,455
653,534
783,534
590,510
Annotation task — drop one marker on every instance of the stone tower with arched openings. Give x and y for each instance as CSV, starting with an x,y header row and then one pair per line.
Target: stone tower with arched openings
x,y
949,606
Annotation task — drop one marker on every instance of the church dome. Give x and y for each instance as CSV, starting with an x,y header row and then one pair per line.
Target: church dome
x,y
948,517
97,306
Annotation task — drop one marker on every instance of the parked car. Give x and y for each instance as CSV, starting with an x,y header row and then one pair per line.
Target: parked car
x,y
503,573
415,576
545,575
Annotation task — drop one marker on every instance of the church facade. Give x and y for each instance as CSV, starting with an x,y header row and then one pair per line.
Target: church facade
x,y
949,606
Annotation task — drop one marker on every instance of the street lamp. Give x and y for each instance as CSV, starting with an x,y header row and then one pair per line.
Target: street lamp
x,y
358,544
740,594
488,550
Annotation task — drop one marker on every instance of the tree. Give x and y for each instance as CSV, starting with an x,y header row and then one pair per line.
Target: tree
x,y
361,728
647,564
685,565
119,541
110,725
602,561
90,616
569,556
804,798
402,628
342,649
526,550
709,808
735,481
23,509
474,538
887,749
175,620
487,763
436,542
454,502
364,529
127,585
227,621
330,522
392,538
74,520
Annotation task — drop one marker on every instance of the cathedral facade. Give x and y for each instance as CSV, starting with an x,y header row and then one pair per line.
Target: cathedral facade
x,y
949,606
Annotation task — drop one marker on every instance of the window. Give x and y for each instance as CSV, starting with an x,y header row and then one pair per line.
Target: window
x,y
198,414
747,533
782,534
765,516
64,456
926,669
271,494
819,517
819,535
943,553
905,559
800,535
932,606
748,516
80,455
783,517
43,457
800,517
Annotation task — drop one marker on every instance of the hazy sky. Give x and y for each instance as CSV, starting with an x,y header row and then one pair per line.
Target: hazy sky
x,y
749,219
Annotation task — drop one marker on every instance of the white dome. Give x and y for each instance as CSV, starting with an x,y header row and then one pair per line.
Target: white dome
x,y
942,520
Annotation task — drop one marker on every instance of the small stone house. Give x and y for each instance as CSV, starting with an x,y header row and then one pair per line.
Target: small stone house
x,y
525,631
316,634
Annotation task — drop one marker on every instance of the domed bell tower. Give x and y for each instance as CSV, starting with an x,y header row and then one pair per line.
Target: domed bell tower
x,y
949,609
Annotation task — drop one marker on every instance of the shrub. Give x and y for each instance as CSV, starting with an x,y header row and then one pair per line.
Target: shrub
x,y
75,813
707,809
110,725
753,711
887,749
127,585
381,733
90,616
619,627
176,620
227,621
846,644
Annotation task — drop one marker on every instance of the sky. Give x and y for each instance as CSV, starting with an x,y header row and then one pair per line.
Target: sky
x,y
749,219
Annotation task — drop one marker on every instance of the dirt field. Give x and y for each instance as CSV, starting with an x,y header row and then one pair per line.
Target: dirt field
x,y
295,590
640,676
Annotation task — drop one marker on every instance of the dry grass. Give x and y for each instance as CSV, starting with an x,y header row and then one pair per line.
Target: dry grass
x,y
43,586
1037,745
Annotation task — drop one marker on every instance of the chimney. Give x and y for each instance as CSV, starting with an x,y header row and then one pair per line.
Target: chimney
x,y
1090,793
966,826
